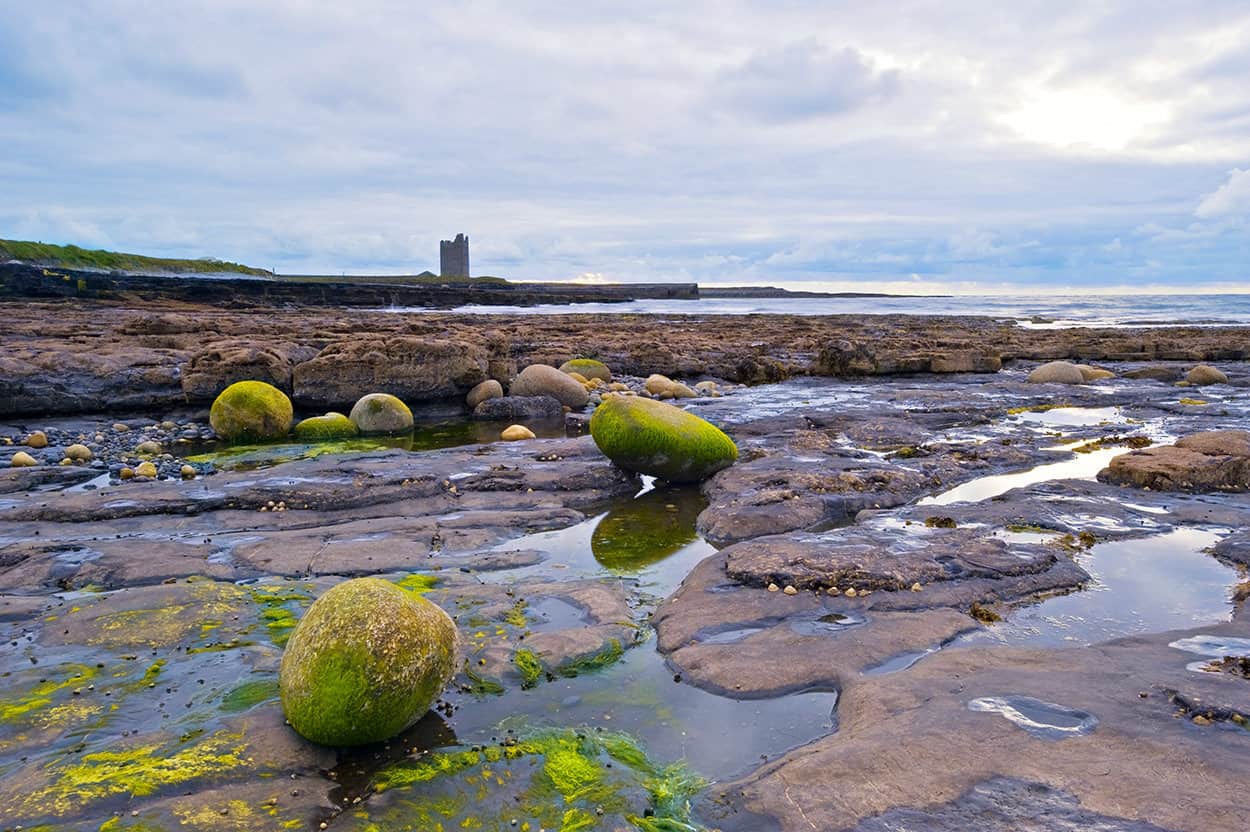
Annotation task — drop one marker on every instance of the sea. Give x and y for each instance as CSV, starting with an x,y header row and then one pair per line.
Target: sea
x,y
1033,311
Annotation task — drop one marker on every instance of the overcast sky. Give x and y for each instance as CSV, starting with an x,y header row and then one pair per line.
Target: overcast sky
x,y
945,146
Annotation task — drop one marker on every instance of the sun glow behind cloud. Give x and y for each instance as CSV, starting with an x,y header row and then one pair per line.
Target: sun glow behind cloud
x,y
1086,117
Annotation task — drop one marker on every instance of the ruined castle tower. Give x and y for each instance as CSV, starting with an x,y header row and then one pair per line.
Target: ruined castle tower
x,y
454,257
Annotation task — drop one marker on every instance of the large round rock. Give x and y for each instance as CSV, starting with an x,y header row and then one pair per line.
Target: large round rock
x,y
381,413
542,380
587,368
651,437
365,662
252,411
1057,372
322,428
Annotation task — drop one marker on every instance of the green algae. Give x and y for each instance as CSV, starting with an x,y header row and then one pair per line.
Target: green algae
x,y
479,685
516,615
141,771
24,707
529,666
249,694
550,778
276,612
417,583
610,654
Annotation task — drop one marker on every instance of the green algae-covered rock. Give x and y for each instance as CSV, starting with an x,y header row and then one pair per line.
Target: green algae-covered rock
x,y
252,411
647,529
365,662
587,368
381,413
329,426
651,437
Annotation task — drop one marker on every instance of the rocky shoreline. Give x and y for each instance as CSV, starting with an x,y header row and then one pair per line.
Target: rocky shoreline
x,y
860,625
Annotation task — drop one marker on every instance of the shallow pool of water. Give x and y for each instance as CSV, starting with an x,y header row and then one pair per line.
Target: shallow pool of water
x,y
1145,585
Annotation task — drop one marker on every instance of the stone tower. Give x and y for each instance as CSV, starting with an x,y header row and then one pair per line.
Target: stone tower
x,y
454,257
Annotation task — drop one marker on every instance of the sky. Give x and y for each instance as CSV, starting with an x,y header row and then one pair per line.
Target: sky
x,y
909,146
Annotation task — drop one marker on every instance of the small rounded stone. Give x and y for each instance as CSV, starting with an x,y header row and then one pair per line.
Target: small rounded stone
x,y
21,459
514,433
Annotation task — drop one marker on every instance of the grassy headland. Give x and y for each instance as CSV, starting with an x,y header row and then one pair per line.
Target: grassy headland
x,y
73,257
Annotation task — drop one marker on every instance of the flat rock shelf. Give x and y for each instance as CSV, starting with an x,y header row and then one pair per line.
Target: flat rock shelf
x,y
917,601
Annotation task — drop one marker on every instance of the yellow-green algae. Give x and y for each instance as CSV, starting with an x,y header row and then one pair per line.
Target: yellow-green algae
x,y
141,771
251,410
417,583
366,661
651,437
587,368
583,779
25,706
330,426
529,666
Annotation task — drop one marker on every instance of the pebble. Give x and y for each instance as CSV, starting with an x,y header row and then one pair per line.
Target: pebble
x,y
789,590
126,474
833,590
188,473
916,587
21,459
148,448
851,593
513,433
146,469
120,427
773,588
37,439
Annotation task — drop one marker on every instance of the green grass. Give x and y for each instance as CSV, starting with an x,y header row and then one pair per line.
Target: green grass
x,y
73,257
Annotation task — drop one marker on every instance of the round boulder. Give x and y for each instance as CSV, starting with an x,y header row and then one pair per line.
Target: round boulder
x,y
330,426
381,413
79,453
1057,372
365,662
650,437
542,380
1205,374
489,389
37,439
587,368
252,411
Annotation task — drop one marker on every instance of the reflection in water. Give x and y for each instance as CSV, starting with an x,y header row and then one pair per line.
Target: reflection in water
x,y
1147,585
1083,466
647,529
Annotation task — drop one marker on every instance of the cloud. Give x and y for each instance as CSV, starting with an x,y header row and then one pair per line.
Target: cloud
x,y
802,80
1231,198
792,143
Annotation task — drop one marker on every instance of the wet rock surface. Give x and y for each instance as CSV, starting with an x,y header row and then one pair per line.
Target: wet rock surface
x,y
882,541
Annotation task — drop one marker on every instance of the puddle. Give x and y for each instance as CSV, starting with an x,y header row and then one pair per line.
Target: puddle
x,y
1082,467
1041,719
650,538
1217,647
636,705
1147,585
827,624
902,661
1072,417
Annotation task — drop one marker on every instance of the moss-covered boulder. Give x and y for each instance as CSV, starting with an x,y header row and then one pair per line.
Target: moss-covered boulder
x,y
330,426
251,411
365,662
651,437
588,368
381,413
